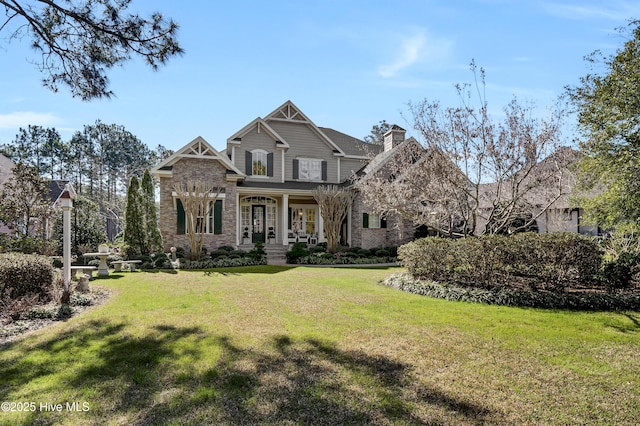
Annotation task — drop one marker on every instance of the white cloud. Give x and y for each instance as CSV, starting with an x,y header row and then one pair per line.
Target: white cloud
x,y
614,10
14,120
414,49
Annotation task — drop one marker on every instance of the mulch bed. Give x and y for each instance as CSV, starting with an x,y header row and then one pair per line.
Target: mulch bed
x,y
11,330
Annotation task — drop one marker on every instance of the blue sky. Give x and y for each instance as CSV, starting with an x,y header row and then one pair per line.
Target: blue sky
x,y
346,64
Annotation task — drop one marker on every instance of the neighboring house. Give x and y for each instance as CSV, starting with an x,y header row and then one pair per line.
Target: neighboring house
x,y
5,173
266,177
561,215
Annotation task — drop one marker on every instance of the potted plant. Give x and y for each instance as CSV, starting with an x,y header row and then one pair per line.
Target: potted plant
x,y
245,236
271,235
103,248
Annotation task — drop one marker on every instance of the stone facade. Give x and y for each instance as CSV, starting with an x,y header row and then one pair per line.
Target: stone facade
x,y
193,169
392,235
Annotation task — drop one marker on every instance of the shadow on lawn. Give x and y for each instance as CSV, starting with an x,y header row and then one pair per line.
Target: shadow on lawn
x,y
143,380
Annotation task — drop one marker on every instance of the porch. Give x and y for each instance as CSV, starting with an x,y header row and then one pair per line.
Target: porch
x,y
278,220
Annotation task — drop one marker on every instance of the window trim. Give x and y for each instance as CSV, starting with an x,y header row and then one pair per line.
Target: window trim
x,y
266,160
298,162
213,220
378,219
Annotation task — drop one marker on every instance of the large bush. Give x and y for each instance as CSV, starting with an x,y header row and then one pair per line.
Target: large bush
x,y
24,274
543,261
621,266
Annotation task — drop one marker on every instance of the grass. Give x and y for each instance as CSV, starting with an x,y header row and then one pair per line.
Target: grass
x,y
280,345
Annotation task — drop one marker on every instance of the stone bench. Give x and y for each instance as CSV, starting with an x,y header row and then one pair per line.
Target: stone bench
x,y
117,265
83,269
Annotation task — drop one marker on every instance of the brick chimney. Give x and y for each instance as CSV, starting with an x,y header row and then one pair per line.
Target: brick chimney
x,y
393,137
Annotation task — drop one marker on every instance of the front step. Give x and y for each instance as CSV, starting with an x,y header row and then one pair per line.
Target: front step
x,y
275,252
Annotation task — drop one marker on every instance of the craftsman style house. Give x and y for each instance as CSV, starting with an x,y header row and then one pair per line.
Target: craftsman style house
x,y
266,176
264,182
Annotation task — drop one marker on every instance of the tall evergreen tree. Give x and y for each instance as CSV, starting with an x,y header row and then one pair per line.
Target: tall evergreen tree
x,y
134,235
154,238
608,108
79,41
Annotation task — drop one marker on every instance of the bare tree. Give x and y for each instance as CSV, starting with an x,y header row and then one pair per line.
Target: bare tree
x,y
26,207
334,202
197,200
473,175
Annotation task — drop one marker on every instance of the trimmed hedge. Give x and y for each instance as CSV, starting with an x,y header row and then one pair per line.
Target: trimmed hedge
x,y
591,301
221,262
537,261
25,274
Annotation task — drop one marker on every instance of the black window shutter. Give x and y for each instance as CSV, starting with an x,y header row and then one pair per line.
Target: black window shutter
x,y
248,163
324,170
289,221
270,164
383,222
295,168
217,217
365,220
181,221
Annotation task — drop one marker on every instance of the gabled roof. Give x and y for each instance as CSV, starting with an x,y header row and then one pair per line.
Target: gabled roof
x,y
381,159
56,188
197,148
351,146
288,112
235,139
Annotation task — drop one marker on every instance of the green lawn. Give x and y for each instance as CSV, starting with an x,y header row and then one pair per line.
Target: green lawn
x,y
279,345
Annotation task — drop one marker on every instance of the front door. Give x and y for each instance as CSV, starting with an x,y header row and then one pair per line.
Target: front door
x,y
258,215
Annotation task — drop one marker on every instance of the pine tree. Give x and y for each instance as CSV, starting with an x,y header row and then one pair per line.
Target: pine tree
x,y
150,212
134,232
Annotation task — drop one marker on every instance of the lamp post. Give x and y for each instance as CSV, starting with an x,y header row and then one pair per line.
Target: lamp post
x,y
66,201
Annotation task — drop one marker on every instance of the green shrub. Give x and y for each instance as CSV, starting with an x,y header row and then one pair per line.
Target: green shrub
x,y
590,301
544,261
50,311
21,275
228,249
298,250
621,265
219,252
221,262
619,272
393,251
317,249
257,252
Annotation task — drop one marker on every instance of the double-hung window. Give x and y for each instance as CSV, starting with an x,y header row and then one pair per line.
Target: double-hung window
x,y
208,220
373,221
309,169
259,163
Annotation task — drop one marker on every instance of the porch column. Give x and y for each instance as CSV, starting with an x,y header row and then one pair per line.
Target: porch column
x,y
285,219
320,226
238,224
